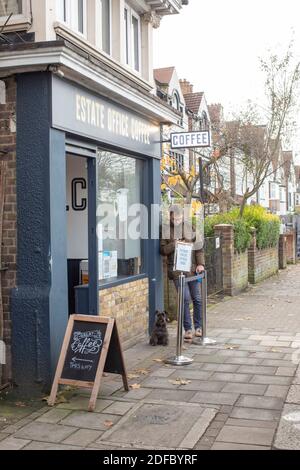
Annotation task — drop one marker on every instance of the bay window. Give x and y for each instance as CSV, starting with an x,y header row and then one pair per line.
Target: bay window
x,y
73,13
132,38
10,6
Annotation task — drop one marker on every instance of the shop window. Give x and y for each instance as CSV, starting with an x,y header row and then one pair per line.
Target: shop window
x,y
106,25
10,6
73,13
132,38
119,216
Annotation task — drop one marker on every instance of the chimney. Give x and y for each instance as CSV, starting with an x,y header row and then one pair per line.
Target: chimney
x,y
186,87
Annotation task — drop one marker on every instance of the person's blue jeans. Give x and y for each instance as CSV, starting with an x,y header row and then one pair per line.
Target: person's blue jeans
x,y
192,293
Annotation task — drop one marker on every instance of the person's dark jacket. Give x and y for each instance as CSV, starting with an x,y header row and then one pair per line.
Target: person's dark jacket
x,y
167,248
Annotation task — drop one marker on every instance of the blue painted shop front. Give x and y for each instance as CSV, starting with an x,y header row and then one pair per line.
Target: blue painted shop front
x,y
58,120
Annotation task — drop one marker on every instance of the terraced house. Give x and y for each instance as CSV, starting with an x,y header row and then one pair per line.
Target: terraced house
x,y
80,127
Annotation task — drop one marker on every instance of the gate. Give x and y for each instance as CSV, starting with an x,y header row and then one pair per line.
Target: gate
x,y
214,264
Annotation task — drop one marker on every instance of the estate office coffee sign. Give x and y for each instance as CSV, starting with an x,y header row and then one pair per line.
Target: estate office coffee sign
x,y
79,111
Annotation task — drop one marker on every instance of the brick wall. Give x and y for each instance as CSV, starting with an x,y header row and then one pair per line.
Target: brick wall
x,y
240,272
261,263
235,265
9,250
129,305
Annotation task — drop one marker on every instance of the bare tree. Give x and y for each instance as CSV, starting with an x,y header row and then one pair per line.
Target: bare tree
x,y
255,147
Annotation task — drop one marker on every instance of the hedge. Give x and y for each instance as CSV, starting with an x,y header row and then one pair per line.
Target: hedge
x,y
267,227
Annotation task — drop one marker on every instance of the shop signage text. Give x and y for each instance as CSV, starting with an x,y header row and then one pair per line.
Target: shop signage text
x,y
190,139
84,113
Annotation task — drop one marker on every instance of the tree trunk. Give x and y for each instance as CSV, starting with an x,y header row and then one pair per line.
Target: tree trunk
x,y
243,205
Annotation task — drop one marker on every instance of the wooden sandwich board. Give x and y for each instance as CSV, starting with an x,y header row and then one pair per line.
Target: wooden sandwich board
x,y
91,347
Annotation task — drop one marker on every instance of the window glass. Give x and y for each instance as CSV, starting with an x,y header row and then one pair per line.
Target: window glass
x,y
132,38
61,10
135,43
105,14
10,6
119,215
81,16
126,29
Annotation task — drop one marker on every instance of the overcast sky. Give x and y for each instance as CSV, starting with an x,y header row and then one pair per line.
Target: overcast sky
x,y
216,44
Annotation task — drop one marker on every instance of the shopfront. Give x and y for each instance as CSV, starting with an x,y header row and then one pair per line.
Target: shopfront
x,y
88,228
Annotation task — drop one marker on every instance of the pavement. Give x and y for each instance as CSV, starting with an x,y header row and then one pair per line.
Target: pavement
x,y
241,393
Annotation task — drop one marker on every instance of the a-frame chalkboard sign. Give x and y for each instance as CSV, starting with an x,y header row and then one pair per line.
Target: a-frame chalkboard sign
x,y
91,346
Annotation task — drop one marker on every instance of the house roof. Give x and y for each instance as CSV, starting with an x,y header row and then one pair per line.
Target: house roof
x,y
164,75
193,101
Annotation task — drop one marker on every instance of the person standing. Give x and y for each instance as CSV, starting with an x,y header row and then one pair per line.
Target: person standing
x,y
180,231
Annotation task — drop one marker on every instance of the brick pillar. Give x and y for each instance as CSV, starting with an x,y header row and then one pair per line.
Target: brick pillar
x,y
225,232
291,247
282,252
251,258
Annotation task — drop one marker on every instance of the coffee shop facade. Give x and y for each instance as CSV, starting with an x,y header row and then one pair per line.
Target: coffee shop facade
x,y
80,143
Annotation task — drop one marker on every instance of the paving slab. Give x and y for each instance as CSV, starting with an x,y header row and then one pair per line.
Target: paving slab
x,y
96,421
215,398
253,413
157,425
83,437
220,367
119,408
264,370
288,434
227,377
249,423
11,443
163,372
35,445
82,403
270,380
54,416
286,371
45,432
203,386
191,374
266,403
171,395
279,391
244,435
232,446
246,389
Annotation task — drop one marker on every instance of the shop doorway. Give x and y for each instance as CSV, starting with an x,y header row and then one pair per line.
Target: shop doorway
x,y
77,225
82,243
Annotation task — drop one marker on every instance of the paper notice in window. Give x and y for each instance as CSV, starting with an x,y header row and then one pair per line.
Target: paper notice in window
x,y
183,257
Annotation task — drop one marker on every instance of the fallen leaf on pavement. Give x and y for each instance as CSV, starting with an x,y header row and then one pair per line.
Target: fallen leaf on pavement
x,y
135,386
142,371
180,381
108,424
132,376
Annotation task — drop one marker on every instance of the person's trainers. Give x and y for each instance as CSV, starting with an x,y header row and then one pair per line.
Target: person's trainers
x,y
198,333
188,335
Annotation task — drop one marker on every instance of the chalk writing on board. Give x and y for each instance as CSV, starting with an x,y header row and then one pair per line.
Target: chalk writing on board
x,y
87,342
